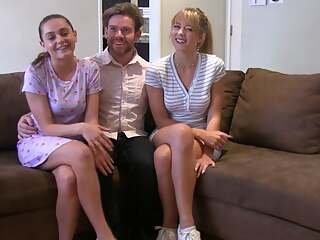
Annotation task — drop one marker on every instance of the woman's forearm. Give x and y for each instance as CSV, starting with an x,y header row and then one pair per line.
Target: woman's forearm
x,y
199,133
66,130
214,123
165,122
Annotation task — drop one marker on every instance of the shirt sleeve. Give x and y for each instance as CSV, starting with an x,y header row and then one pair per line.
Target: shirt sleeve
x,y
94,81
153,77
34,82
220,70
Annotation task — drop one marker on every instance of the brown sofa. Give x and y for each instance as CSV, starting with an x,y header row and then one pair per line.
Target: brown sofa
x,y
266,185
27,200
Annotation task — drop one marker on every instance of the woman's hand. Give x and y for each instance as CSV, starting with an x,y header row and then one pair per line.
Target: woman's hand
x,y
203,163
100,145
95,137
215,139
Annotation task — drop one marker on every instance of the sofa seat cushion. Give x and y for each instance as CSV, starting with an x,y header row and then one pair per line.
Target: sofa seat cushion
x,y
276,183
24,189
278,111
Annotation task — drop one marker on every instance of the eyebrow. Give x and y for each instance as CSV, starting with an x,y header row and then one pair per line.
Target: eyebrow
x,y
59,30
187,25
120,26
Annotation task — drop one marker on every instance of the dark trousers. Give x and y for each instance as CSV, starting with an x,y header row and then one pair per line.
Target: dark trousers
x,y
130,196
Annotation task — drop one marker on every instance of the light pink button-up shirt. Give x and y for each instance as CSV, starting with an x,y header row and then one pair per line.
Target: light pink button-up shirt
x,y
123,101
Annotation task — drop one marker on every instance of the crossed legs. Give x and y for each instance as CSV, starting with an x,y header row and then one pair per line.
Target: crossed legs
x,y
75,159
68,205
174,158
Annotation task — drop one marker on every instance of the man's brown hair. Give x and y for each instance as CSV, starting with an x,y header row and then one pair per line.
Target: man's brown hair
x,y
125,9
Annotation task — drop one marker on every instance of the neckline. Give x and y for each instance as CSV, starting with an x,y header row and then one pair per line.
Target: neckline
x,y
186,91
183,66
74,76
111,59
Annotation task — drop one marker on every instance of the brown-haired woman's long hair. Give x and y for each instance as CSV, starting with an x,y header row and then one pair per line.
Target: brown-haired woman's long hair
x,y
201,24
39,59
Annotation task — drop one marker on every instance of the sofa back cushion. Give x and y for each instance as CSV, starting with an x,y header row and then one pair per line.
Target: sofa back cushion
x,y
12,104
278,111
232,84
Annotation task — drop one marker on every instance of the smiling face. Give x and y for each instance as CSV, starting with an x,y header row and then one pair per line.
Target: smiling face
x,y
184,36
121,35
58,38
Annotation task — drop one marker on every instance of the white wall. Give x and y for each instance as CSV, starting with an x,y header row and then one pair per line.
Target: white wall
x,y
19,20
214,9
283,37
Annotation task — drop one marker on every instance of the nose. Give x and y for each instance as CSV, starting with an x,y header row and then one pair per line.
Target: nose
x,y
181,30
118,33
59,38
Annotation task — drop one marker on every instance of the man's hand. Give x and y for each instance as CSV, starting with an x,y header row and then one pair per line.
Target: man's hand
x,y
26,126
104,162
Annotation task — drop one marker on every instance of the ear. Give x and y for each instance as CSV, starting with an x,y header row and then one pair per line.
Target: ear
x,y
137,35
202,39
105,35
41,44
75,35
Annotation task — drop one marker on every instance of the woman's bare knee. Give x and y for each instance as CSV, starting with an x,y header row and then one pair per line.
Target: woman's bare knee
x,y
177,135
162,159
65,179
81,157
74,154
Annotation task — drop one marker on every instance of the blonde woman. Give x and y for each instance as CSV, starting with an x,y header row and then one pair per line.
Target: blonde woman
x,y
185,97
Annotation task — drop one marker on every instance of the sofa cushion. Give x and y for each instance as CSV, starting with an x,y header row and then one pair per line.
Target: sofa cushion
x,y
232,84
13,105
24,189
278,111
275,183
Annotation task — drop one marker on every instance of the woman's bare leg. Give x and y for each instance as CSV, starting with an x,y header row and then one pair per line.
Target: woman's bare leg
x,y
79,157
180,139
68,205
162,162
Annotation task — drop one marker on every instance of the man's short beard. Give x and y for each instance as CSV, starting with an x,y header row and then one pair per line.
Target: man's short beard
x,y
128,49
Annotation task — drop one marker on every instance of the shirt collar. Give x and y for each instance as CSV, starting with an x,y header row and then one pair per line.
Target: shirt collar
x,y
106,58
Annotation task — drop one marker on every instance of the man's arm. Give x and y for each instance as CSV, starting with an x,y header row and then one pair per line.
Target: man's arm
x,y
26,126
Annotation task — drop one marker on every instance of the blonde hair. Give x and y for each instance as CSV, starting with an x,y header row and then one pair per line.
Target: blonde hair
x,y
200,24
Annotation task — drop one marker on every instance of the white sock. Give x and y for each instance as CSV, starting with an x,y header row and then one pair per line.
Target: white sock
x,y
187,229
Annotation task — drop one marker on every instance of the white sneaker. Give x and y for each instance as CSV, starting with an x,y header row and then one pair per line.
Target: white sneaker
x,y
167,233
190,233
